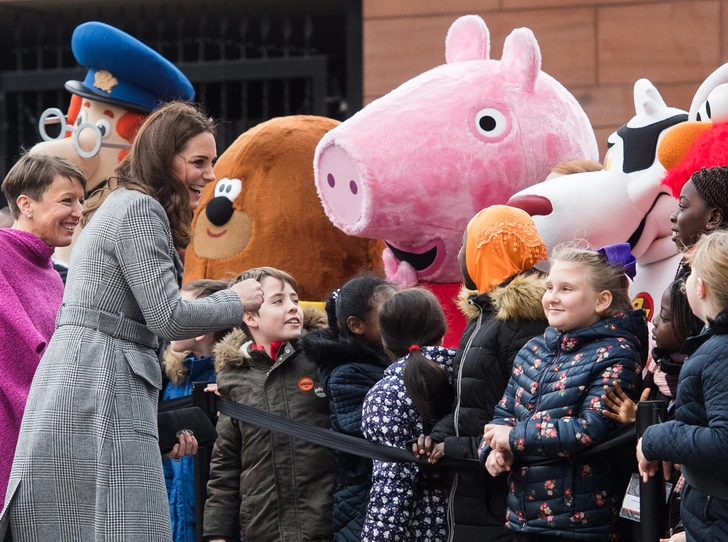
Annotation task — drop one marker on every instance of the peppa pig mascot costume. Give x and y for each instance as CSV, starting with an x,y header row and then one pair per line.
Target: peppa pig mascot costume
x,y
413,167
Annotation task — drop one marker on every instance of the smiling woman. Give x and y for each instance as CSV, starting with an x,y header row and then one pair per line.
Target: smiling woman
x,y
91,414
45,195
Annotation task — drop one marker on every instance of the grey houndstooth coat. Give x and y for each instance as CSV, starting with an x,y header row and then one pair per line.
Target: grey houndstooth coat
x,y
87,465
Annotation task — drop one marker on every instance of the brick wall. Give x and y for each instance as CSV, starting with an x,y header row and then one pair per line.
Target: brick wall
x,y
596,48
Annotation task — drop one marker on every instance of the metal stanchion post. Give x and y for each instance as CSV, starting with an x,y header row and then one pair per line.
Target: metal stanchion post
x,y
208,403
652,493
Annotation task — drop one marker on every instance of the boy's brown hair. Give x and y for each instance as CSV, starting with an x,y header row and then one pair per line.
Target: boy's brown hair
x,y
202,288
260,273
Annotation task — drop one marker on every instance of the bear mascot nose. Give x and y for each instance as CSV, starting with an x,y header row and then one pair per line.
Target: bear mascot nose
x,y
219,210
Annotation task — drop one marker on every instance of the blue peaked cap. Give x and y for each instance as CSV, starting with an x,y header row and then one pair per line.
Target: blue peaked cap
x,y
123,71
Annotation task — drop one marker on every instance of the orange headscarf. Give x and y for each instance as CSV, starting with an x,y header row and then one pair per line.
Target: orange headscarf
x,y
500,243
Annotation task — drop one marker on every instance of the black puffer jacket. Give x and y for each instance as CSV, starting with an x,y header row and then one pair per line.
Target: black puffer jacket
x,y
348,370
500,323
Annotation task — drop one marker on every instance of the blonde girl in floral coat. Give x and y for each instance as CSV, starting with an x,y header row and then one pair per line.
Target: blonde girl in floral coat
x,y
552,407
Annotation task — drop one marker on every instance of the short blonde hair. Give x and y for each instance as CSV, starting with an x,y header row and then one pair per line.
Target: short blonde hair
x,y
709,261
601,275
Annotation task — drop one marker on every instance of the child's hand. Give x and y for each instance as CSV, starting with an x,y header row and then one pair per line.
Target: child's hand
x,y
668,468
423,446
679,537
437,453
646,468
621,407
430,448
497,436
212,388
498,462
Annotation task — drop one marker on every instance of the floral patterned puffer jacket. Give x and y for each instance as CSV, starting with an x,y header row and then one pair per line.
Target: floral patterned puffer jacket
x,y
553,400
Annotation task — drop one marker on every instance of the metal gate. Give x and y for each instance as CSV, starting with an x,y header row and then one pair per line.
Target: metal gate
x,y
248,61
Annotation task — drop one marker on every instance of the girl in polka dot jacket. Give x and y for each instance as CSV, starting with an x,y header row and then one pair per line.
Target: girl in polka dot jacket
x,y
552,407
407,504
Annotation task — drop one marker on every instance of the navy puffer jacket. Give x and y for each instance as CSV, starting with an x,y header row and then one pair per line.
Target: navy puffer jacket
x,y
698,436
553,400
348,370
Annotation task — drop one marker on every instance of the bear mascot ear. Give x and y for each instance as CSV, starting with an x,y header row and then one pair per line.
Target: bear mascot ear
x,y
263,210
125,81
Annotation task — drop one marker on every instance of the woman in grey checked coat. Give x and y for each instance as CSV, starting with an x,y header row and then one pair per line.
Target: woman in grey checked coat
x,y
87,464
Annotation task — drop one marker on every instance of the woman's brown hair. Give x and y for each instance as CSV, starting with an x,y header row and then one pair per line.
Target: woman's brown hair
x,y
164,134
414,317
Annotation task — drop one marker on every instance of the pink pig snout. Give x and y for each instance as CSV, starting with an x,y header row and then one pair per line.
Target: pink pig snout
x,y
340,186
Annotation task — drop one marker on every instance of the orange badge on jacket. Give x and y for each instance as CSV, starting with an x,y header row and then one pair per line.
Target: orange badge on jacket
x,y
306,383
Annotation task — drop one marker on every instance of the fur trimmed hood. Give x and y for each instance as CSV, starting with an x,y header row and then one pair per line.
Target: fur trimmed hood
x,y
174,366
234,349
516,299
329,352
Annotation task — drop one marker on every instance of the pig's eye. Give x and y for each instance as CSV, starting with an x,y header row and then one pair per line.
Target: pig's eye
x,y
490,122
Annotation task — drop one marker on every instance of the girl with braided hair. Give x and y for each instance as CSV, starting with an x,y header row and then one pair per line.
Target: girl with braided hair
x,y
350,360
702,208
672,325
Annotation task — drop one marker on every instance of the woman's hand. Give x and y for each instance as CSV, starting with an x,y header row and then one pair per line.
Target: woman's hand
x,y
186,445
497,437
679,537
646,468
621,407
251,294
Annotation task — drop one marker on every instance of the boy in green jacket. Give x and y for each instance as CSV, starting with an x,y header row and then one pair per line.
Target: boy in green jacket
x,y
276,487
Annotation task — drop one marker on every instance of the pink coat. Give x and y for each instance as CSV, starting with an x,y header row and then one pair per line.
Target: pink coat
x,y
30,295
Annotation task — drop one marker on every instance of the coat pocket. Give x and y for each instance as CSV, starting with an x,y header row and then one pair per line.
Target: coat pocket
x,y
145,365
144,382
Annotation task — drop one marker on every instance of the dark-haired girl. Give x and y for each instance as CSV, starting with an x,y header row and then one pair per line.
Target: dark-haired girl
x,y
351,360
406,504
672,326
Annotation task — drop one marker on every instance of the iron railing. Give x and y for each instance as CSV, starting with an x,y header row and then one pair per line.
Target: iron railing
x,y
247,62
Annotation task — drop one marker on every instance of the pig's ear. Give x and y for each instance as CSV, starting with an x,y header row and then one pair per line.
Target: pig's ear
x,y
467,39
521,60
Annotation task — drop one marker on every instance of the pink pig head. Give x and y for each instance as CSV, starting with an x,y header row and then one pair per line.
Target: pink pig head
x,y
414,166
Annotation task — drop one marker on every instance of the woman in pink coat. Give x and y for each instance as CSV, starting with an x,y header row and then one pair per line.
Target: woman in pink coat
x,y
44,194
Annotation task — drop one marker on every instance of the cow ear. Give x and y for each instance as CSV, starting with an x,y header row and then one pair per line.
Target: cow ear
x,y
467,39
647,99
521,60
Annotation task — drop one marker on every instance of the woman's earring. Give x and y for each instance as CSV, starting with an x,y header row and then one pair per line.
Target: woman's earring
x,y
30,216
